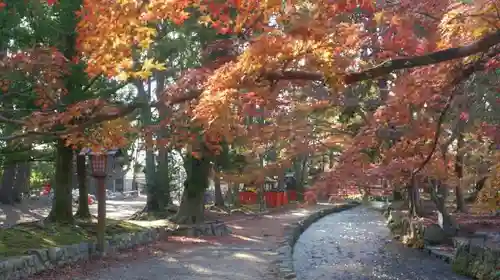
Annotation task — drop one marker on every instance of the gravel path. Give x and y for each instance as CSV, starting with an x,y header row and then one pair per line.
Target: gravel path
x,y
355,244
199,263
247,254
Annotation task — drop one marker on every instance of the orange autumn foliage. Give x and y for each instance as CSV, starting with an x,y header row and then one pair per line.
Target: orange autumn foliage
x,y
291,60
311,41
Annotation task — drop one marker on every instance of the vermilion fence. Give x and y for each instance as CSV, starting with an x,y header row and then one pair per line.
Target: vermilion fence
x,y
273,199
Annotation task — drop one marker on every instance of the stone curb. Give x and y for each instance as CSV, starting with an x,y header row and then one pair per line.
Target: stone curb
x,y
284,264
40,260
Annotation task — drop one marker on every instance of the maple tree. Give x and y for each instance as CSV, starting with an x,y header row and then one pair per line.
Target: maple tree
x,y
378,80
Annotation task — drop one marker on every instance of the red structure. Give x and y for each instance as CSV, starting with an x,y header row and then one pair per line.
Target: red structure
x,y
247,198
292,195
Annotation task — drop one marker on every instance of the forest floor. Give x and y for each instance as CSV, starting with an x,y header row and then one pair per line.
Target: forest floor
x,y
19,239
245,254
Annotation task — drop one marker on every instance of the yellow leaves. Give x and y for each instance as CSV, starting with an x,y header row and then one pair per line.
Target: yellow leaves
x,y
480,31
379,17
149,65
123,76
463,23
146,71
205,20
108,31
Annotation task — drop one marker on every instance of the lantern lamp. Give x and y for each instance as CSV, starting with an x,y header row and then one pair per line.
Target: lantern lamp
x,y
99,162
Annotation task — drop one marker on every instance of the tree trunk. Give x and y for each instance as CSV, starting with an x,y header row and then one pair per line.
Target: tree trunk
x,y
300,172
163,196
281,181
83,211
331,156
234,190
152,203
192,208
438,194
414,198
163,177
459,170
365,192
396,194
477,189
62,206
21,185
462,105
135,187
7,188
219,198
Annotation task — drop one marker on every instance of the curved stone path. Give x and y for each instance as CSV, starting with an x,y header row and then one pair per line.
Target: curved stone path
x,y
355,244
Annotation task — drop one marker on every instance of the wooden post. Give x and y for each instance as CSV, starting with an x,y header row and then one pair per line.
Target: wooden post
x,y
101,214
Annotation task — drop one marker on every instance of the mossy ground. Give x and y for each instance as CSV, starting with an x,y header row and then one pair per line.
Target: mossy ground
x,y
19,239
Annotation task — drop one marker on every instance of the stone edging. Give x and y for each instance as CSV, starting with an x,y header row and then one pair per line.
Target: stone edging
x,y
40,260
284,264
476,256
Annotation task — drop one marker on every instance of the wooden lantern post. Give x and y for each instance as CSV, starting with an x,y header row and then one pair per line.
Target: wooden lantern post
x,y
99,168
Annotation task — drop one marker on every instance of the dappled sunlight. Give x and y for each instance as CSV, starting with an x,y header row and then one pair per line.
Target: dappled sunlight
x,y
170,259
300,214
200,269
246,238
235,226
256,237
248,257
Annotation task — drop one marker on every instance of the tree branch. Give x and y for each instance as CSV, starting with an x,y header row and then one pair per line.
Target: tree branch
x,y
389,66
385,68
466,73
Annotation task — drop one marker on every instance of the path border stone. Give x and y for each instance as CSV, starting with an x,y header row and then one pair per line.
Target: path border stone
x,y
475,256
39,260
284,264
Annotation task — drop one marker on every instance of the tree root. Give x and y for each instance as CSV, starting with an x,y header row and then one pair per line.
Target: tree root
x,y
186,219
146,213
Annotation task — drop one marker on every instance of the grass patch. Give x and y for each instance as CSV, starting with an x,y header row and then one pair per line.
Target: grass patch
x,y
16,241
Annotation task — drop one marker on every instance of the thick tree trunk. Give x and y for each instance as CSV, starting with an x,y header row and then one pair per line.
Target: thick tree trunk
x,y
163,179
152,203
164,174
22,183
7,188
83,211
192,208
397,195
62,206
